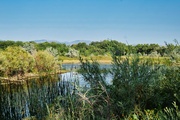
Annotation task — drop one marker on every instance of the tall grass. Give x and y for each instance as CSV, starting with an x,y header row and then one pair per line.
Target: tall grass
x,y
140,89
18,101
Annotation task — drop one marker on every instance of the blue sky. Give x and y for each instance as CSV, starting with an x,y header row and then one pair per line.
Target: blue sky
x,y
134,21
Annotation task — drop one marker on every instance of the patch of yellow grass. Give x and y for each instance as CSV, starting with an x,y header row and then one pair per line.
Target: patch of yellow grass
x,y
108,59
100,59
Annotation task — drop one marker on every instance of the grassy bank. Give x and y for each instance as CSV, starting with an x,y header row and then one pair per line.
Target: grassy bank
x,y
100,59
28,76
108,59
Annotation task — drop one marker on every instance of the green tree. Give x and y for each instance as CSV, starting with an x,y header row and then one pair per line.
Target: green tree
x,y
61,48
82,48
16,60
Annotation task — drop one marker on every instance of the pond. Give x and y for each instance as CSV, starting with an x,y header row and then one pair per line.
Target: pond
x,y
29,99
32,98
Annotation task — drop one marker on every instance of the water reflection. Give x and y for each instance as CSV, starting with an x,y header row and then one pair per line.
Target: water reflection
x,y
19,101
28,99
77,66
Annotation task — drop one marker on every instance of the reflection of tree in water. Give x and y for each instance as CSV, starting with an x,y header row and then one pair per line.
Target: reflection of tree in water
x,y
29,99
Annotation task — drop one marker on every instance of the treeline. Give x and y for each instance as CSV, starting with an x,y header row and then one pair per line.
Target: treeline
x,y
17,57
112,46
61,48
105,47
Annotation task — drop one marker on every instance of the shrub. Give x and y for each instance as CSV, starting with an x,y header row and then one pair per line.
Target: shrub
x,y
133,82
45,62
15,60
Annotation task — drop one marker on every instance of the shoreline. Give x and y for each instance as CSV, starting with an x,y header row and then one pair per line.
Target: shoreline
x,y
21,79
77,61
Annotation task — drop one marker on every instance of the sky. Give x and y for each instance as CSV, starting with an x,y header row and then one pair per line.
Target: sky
x,y
128,21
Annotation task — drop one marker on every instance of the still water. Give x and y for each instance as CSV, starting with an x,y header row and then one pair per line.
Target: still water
x,y
18,101
29,99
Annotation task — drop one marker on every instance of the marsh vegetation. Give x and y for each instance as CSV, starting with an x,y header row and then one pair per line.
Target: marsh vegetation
x,y
141,86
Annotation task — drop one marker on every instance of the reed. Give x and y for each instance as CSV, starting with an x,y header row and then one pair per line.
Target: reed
x,y
140,89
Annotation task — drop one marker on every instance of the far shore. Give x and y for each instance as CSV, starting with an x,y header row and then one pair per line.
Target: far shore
x,y
108,60
77,61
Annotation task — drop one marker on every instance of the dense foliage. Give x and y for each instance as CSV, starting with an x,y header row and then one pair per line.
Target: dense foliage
x,y
139,90
105,47
21,57
15,60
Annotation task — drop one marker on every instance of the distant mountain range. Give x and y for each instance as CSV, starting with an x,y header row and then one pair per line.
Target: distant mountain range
x,y
78,41
67,43
41,41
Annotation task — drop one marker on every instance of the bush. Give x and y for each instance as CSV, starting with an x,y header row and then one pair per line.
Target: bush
x,y
139,90
15,60
46,62
133,84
